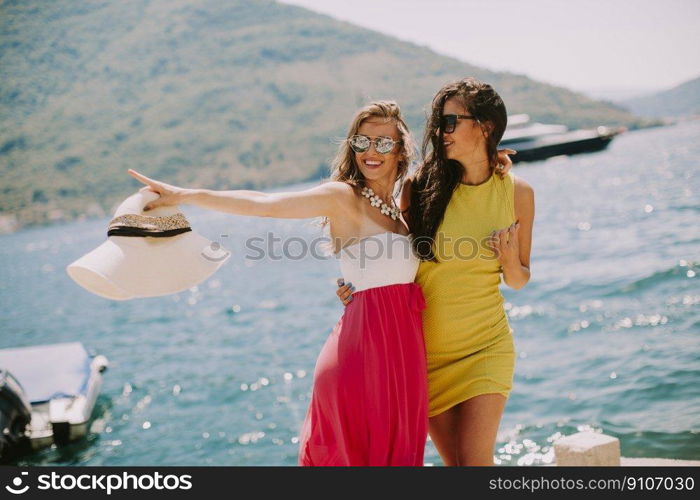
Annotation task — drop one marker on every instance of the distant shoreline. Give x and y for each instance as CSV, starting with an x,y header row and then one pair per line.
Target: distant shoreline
x,y
52,215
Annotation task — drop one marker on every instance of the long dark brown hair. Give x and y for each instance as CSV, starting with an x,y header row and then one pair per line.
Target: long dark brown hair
x,y
437,177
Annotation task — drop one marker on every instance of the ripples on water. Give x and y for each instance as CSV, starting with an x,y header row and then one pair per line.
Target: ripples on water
x,y
606,331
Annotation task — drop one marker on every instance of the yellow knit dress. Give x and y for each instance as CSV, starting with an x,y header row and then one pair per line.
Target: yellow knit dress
x,y
468,339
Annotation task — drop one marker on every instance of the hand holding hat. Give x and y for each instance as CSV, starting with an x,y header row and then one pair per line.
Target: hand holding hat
x,y
169,194
148,255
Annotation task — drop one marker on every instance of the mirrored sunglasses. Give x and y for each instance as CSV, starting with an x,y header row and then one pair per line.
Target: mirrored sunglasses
x,y
382,145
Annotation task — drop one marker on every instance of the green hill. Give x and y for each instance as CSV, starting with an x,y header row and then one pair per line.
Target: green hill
x,y
217,94
682,100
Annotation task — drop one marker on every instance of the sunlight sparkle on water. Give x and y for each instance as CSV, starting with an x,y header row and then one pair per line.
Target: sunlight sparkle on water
x,y
250,437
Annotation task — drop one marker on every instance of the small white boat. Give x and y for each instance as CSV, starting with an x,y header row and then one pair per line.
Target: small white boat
x,y
60,382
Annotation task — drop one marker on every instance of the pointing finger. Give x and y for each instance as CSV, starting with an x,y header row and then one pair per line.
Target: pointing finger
x,y
140,177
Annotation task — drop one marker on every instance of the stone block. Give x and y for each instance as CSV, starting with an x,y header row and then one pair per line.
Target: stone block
x,y
587,449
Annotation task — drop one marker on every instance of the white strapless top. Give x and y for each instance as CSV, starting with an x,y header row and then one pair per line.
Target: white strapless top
x,y
379,260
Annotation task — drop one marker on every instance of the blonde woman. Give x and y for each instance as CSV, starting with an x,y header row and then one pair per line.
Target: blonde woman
x,y
369,402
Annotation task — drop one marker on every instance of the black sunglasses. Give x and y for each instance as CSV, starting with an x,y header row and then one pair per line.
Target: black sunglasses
x,y
449,122
361,143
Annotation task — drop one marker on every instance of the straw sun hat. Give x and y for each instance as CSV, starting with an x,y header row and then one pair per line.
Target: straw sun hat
x,y
147,255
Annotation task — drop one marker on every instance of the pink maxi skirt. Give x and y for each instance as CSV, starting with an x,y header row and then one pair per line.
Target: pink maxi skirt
x,y
370,397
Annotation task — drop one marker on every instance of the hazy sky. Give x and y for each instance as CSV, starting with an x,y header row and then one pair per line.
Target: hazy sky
x,y
586,45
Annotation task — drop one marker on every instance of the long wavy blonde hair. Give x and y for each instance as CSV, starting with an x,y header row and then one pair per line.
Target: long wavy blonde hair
x,y
344,167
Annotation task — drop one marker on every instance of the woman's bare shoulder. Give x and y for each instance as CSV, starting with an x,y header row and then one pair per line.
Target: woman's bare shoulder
x,y
524,199
340,192
522,187
339,188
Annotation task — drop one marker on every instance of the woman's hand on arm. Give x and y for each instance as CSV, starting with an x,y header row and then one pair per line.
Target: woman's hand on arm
x,y
512,245
324,200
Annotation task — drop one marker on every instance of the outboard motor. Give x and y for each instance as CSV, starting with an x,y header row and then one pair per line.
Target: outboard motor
x,y
15,415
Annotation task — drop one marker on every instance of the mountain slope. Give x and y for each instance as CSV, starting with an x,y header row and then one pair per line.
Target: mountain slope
x,y
682,100
218,94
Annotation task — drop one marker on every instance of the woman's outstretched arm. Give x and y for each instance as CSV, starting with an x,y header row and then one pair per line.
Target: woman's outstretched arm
x,y
323,200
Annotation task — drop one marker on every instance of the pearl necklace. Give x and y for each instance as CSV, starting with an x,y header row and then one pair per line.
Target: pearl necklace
x,y
376,201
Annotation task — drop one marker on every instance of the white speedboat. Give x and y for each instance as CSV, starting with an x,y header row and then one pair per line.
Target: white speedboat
x,y
59,382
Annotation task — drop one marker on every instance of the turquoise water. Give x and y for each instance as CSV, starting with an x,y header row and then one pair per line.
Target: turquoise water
x,y
607,331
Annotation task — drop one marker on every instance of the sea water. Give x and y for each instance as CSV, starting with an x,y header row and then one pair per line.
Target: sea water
x,y
607,331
